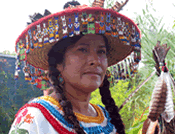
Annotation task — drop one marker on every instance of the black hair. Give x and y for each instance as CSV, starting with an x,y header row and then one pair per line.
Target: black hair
x,y
110,106
56,56
73,3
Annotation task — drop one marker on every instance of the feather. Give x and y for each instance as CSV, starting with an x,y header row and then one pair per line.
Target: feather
x,y
168,114
118,6
158,99
162,101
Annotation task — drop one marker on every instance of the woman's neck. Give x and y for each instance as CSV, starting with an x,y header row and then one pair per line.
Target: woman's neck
x,y
79,101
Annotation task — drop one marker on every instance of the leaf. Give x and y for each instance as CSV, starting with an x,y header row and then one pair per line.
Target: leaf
x,y
19,131
161,29
143,11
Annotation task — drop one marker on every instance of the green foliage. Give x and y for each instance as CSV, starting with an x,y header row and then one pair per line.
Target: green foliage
x,y
14,94
152,31
137,126
109,3
120,91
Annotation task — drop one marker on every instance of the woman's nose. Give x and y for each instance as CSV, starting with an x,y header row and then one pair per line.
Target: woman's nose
x,y
93,58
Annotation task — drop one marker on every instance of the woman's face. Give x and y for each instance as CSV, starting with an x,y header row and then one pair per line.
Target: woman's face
x,y
85,64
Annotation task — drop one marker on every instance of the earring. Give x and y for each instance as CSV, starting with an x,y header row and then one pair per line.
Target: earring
x,y
61,80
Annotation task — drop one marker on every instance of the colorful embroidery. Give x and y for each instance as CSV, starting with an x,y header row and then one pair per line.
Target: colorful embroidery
x,y
102,24
97,23
26,72
56,29
108,24
84,23
119,26
80,117
64,27
19,131
35,41
45,34
28,119
114,32
76,25
91,25
43,104
51,31
22,118
127,33
27,44
39,36
22,51
70,25
57,126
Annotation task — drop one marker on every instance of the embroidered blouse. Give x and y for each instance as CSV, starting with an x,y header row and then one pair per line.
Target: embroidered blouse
x,y
44,115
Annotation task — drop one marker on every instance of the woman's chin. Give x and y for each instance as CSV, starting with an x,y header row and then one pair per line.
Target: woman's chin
x,y
91,85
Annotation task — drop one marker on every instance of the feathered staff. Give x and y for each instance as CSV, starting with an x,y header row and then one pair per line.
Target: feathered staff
x,y
161,112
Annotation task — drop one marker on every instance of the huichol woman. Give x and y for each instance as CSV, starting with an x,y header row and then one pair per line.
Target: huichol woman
x,y
72,50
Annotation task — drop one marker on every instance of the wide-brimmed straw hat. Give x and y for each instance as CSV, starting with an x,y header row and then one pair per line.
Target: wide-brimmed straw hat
x,y
34,43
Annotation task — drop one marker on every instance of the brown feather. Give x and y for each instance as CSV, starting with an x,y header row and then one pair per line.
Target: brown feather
x,y
118,6
98,3
158,100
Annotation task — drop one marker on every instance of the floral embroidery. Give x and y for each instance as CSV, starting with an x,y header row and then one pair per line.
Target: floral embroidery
x,y
28,119
20,131
18,120
58,127
21,119
25,112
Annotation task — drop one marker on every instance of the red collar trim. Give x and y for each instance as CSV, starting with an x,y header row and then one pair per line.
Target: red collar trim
x,y
56,125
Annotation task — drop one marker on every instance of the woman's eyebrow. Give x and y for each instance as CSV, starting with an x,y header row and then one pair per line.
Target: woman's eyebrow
x,y
102,46
83,44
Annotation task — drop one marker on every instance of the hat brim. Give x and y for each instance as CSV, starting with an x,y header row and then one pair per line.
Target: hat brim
x,y
39,59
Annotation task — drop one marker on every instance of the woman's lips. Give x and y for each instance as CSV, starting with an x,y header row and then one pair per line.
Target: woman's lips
x,y
92,74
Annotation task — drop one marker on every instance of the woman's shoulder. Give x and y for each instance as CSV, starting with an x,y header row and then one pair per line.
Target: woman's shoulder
x,y
41,114
26,120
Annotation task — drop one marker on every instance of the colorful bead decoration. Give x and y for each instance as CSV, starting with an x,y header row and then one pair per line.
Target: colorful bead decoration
x,y
80,117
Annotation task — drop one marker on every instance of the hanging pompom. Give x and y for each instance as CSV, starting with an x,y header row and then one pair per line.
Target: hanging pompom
x,y
16,76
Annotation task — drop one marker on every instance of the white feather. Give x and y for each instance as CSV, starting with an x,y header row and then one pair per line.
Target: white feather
x,y
168,113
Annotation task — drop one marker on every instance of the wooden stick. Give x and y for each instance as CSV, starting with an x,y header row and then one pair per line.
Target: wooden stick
x,y
136,90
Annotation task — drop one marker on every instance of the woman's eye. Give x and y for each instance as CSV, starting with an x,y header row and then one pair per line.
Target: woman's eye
x,y
102,51
83,49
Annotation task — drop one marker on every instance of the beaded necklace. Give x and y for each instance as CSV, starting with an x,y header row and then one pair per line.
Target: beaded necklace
x,y
87,119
